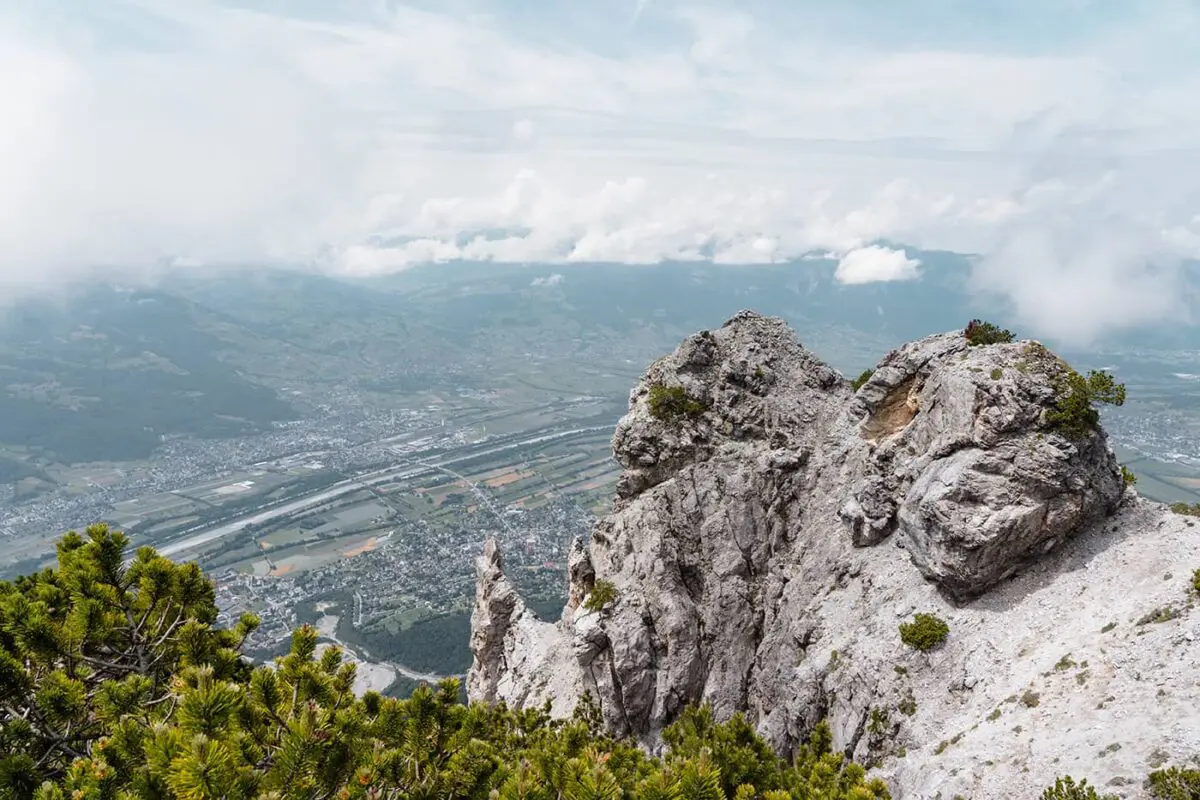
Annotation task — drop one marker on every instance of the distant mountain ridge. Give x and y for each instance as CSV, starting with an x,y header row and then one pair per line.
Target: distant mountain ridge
x,y
208,355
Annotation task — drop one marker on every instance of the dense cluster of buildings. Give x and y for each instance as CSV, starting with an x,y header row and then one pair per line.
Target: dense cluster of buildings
x,y
1166,435
420,569
347,434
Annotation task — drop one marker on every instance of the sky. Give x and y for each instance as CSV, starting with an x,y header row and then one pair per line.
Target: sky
x,y
1057,139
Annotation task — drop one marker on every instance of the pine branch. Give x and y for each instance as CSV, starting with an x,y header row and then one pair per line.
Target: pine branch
x,y
123,669
57,740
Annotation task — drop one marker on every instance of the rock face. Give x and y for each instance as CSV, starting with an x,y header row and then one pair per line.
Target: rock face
x,y
963,466
772,527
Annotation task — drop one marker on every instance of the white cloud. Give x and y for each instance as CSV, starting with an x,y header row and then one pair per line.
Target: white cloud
x,y
876,265
371,137
523,130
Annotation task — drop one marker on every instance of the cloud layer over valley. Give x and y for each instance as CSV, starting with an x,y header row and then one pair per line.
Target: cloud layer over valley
x,y
1058,141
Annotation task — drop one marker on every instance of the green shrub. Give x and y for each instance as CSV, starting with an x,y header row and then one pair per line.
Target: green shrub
x,y
862,378
672,403
925,632
979,333
1159,615
997,373
1175,784
1127,476
1065,788
94,707
1196,581
878,724
1183,508
1064,663
603,593
1074,414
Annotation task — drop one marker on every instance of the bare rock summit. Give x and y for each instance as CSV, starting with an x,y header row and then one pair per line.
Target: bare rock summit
x,y
773,527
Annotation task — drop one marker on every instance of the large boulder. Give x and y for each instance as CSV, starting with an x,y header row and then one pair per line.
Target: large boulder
x,y
963,463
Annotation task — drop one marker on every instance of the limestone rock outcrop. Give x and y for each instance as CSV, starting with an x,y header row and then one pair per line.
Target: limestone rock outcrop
x,y
772,527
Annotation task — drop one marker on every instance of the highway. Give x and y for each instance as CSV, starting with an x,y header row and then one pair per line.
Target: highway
x,y
195,539
288,507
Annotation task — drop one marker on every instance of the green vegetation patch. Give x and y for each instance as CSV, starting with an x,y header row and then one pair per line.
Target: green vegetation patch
x,y
1065,663
673,403
1159,615
878,724
1127,476
1074,414
603,593
1065,788
925,632
1192,510
980,333
1175,784
862,378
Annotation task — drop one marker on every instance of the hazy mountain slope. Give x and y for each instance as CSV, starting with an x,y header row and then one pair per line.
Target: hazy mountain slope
x,y
106,373
209,354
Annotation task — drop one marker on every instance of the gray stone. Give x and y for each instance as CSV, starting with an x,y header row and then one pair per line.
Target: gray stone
x,y
743,543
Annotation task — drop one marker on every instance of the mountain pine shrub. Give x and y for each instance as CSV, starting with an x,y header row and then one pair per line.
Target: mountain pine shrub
x,y
1065,788
1127,476
1174,783
980,333
115,684
603,593
862,378
673,404
925,632
1074,414
95,648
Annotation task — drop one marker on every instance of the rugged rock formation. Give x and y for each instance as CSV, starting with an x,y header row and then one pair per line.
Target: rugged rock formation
x,y
769,535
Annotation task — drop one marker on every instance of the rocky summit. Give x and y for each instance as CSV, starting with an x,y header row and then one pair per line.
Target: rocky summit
x,y
773,528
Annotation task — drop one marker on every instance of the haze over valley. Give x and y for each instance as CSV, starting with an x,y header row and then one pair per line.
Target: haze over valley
x,y
313,440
